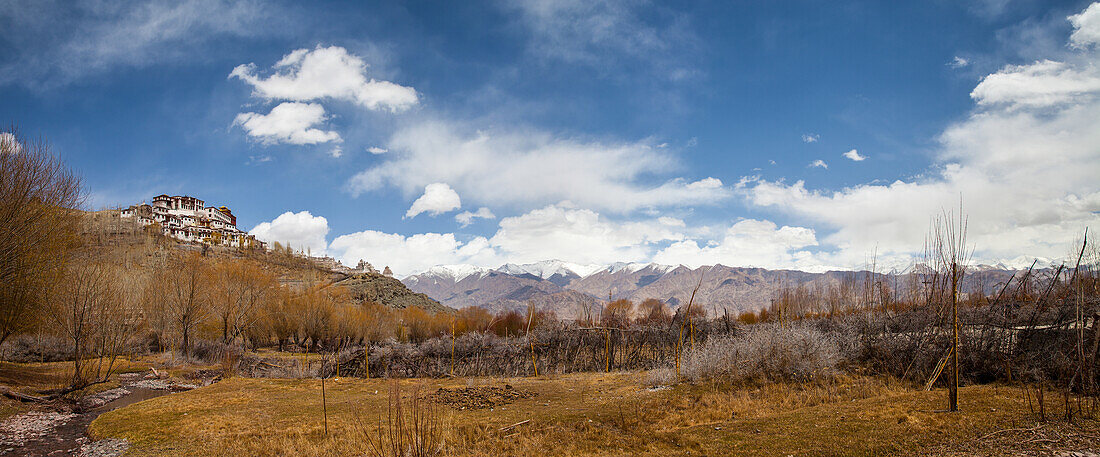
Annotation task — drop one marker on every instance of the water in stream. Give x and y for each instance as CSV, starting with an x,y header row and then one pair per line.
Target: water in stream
x,y
67,439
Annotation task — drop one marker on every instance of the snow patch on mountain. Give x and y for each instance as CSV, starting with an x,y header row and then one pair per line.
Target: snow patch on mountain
x,y
544,270
456,272
636,267
548,268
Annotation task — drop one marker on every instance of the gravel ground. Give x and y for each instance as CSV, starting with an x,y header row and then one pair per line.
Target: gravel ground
x,y
17,430
105,448
102,398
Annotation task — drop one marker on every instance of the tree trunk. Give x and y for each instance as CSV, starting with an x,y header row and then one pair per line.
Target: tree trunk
x,y
186,343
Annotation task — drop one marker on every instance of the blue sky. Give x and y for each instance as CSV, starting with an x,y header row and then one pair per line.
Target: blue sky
x,y
680,132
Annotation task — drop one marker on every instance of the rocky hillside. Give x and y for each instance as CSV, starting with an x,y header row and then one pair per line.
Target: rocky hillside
x,y
388,291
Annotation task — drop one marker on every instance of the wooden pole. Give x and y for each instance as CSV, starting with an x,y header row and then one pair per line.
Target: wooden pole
x,y
530,318
953,395
324,403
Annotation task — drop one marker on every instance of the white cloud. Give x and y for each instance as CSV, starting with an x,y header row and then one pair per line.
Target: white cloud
x,y
671,221
466,218
326,73
377,150
523,167
289,122
958,62
55,42
818,164
300,230
577,235
854,155
1041,84
1086,25
583,236
336,152
750,243
438,198
1023,164
410,254
810,138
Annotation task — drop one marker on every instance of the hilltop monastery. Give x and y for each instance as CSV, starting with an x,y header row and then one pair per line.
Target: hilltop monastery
x,y
189,219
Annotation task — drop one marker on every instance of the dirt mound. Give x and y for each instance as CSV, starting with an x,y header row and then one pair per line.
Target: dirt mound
x,y
479,397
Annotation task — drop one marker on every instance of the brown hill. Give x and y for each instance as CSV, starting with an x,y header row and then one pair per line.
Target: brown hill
x,y
374,287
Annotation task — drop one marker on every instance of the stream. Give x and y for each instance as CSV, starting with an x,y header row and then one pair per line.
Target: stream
x,y
43,433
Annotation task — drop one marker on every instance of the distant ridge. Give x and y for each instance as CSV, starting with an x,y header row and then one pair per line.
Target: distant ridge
x,y
562,286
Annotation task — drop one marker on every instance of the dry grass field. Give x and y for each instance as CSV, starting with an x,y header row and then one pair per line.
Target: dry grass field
x,y
600,414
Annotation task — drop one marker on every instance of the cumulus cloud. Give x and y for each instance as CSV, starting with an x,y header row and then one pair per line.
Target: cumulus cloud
x,y
810,138
818,164
376,150
1041,84
751,243
558,231
1024,165
336,152
326,73
1086,25
583,236
289,122
466,218
300,230
438,198
958,62
406,255
524,167
577,235
855,156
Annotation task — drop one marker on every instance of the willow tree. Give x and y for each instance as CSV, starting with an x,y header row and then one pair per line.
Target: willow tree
x,y
39,224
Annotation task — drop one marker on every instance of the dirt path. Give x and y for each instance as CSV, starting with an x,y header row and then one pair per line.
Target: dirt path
x,y
63,432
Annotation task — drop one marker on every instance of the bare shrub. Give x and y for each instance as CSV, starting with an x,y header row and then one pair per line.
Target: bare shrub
x,y
409,427
767,352
660,377
39,347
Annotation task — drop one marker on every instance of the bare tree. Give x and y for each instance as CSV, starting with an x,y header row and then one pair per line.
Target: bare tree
x,y
78,306
240,290
947,252
38,225
184,302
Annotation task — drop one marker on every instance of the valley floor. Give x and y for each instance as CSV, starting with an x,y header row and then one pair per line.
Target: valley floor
x,y
603,414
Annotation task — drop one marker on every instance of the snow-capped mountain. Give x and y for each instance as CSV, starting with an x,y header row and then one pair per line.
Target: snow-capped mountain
x,y
455,273
562,286
555,271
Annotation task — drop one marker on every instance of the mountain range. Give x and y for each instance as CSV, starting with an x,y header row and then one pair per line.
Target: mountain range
x,y
563,287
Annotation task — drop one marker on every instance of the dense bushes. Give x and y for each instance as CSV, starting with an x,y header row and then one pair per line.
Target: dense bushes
x,y
766,352
37,348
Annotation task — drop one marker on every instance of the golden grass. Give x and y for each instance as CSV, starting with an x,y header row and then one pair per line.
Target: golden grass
x,y
578,414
